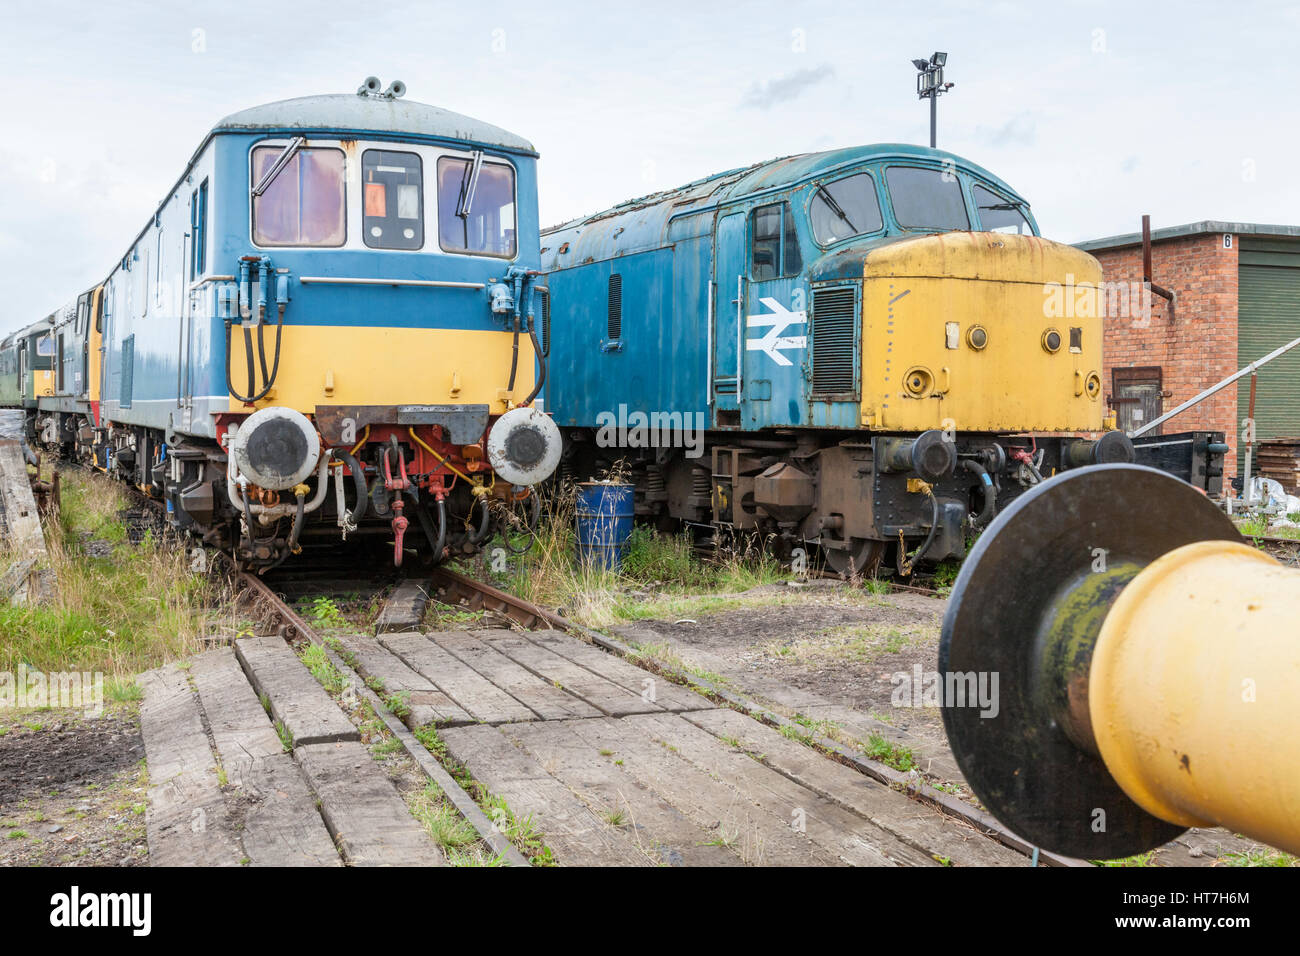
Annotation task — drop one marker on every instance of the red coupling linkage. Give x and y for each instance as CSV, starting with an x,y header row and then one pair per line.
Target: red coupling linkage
x,y
399,485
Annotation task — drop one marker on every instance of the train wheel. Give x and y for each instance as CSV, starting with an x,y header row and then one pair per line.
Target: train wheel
x,y
861,558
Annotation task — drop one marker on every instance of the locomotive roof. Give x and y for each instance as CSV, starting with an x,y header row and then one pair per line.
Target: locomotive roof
x,y
642,221
370,114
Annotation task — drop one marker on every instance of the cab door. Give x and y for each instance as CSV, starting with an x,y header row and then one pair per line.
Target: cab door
x,y
775,332
727,327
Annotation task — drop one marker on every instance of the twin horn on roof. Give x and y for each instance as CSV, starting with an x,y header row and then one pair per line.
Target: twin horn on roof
x,y
371,87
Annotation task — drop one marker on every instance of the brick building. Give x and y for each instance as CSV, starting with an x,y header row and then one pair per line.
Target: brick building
x,y
1237,288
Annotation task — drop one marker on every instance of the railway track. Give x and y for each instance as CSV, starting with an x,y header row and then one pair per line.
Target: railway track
x,y
616,764
578,732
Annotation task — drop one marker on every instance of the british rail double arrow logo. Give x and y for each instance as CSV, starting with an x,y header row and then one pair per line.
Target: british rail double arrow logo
x,y
776,322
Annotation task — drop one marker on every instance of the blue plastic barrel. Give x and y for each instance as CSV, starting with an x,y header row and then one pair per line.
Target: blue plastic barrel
x,y
605,513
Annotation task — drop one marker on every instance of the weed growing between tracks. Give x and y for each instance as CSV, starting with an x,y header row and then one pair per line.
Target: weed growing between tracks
x,y
424,798
662,573
117,607
519,831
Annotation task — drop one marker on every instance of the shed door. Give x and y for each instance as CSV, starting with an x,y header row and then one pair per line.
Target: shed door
x,y
728,309
1268,316
1137,397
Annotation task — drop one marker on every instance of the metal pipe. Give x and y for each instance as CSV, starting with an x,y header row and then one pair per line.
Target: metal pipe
x,y
1164,293
349,280
268,513
1250,439
1250,369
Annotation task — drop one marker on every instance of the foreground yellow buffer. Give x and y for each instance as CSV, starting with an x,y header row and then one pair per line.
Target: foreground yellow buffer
x,y
1147,663
1194,687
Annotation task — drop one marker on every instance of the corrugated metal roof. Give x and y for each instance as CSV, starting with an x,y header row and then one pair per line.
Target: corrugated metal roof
x,y
370,114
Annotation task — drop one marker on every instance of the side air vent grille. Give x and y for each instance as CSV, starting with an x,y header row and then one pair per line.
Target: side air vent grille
x,y
835,342
615,307
544,297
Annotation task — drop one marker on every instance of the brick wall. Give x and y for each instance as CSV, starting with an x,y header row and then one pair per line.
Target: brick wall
x,y
1196,350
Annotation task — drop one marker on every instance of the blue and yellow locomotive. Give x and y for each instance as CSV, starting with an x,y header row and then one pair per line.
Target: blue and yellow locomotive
x,y
859,349
327,327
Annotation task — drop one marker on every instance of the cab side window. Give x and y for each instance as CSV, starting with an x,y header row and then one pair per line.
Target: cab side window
x,y
774,249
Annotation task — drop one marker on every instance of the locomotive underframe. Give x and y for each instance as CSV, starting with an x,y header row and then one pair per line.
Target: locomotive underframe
x,y
190,475
848,494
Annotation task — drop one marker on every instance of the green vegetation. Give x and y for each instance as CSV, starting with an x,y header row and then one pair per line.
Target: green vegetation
x,y
1139,860
889,753
853,642
324,612
116,607
1260,856
1257,525
521,832
322,668
662,575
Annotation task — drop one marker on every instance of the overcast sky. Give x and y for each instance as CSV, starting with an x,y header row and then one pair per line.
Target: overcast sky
x,y
1096,111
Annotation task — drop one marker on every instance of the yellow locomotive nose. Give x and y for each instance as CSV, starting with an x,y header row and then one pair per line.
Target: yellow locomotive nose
x,y
983,331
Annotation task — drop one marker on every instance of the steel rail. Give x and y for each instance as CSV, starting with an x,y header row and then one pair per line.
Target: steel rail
x,y
291,626
479,595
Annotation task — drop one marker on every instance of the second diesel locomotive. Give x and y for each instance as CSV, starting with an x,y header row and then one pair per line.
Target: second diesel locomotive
x,y
325,328
875,344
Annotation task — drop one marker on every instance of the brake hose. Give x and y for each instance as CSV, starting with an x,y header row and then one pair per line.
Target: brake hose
x,y
541,361
990,492
514,358
358,479
248,350
909,560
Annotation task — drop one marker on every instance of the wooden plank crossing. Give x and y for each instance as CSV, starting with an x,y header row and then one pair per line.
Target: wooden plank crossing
x,y
576,835
363,809
470,690
544,699
616,670
613,765
606,696
280,825
223,791
428,704
934,833
186,821
296,699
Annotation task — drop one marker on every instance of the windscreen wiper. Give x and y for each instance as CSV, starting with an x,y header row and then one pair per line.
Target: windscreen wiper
x,y
469,184
835,207
277,167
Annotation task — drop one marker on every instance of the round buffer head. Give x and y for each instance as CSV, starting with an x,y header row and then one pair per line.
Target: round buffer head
x,y
524,446
1023,618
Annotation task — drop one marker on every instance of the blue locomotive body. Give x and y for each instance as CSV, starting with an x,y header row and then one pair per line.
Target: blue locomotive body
x,y
338,290
675,272
844,349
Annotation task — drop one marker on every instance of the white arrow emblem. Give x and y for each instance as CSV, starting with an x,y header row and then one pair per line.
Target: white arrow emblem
x,y
777,322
